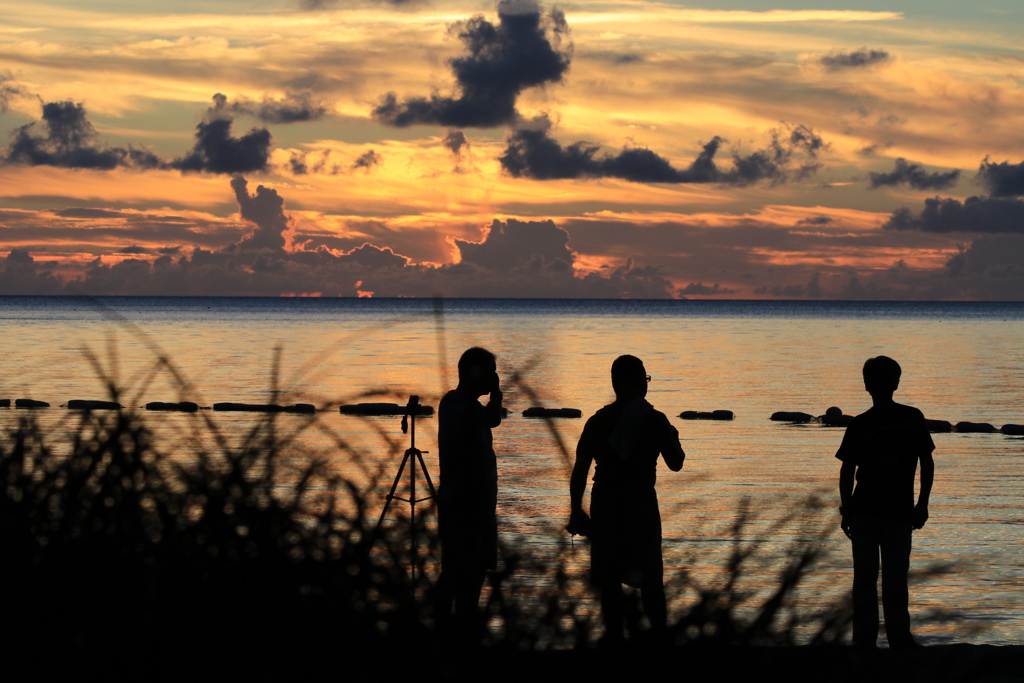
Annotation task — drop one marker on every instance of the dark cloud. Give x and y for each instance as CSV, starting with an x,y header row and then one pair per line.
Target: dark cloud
x,y
815,220
914,175
872,149
975,214
20,274
616,58
524,50
1002,180
701,289
133,249
374,257
628,58
325,162
69,141
854,60
295,108
10,90
217,151
20,256
532,153
991,255
265,210
803,137
302,163
511,258
991,268
519,243
366,160
809,290
454,141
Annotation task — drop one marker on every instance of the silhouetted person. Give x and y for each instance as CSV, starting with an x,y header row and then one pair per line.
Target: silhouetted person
x,y
624,439
882,447
468,491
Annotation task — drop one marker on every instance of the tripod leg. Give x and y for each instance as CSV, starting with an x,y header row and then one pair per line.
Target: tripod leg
x,y
426,475
391,494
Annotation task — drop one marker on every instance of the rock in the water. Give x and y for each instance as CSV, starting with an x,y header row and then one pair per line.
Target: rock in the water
x,y
1013,430
306,408
834,417
538,411
247,407
939,426
836,420
791,416
975,428
5,403
93,405
181,407
705,415
381,409
30,403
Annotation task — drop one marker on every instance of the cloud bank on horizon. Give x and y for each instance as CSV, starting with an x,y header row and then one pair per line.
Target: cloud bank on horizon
x,y
403,148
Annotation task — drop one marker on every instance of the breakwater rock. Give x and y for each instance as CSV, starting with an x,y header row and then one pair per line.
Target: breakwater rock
x,y
382,409
1013,430
707,415
181,406
30,403
975,428
834,417
792,416
538,411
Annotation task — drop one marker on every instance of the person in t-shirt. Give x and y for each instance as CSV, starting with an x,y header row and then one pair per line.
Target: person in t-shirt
x,y
881,449
624,439
468,491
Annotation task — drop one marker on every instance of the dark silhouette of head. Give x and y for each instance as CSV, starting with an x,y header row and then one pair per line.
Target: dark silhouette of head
x,y
881,376
477,371
629,378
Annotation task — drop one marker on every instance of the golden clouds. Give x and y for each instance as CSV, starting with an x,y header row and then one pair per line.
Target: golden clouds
x,y
654,79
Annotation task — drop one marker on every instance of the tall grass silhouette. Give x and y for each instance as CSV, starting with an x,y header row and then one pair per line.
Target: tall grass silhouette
x,y
251,546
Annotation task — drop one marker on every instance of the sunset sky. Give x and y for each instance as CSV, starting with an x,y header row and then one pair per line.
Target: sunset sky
x,y
606,148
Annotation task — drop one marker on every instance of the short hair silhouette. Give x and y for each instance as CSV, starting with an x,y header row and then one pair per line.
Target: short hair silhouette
x,y
626,369
881,374
476,357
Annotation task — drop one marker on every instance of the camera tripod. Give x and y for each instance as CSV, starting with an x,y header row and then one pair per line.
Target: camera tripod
x,y
414,455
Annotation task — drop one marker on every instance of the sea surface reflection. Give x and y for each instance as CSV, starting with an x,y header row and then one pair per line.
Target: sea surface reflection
x,y
961,361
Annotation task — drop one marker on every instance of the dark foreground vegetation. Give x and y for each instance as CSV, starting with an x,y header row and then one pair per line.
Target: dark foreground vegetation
x,y
254,561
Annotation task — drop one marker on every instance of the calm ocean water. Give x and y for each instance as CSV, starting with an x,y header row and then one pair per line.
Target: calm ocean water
x,y
961,361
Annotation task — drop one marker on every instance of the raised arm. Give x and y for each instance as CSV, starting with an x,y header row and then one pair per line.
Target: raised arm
x,y
493,406
671,450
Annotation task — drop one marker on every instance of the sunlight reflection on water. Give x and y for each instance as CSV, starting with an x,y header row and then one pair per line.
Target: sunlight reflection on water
x,y
960,363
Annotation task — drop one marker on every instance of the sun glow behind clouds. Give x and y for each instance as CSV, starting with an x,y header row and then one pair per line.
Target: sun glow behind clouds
x,y
645,78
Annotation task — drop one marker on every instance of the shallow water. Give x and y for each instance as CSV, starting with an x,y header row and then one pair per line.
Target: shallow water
x,y
961,361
